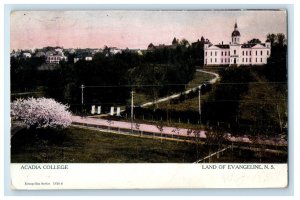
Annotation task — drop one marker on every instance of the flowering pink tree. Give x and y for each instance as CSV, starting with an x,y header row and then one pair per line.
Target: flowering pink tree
x,y
41,113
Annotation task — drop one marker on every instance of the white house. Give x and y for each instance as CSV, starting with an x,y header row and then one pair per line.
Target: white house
x,y
26,55
88,58
235,53
114,50
59,50
84,56
56,58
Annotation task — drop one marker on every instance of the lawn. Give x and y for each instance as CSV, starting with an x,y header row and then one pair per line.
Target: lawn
x,y
76,145
191,104
199,77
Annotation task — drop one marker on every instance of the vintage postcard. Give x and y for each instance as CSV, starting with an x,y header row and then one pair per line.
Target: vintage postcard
x,y
126,99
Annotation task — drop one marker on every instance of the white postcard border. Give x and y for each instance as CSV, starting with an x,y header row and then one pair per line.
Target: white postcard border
x,y
7,164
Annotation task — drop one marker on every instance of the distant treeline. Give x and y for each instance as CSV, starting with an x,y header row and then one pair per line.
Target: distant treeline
x,y
109,78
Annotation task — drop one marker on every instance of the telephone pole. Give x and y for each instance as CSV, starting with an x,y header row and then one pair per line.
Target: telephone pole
x,y
82,87
132,111
199,103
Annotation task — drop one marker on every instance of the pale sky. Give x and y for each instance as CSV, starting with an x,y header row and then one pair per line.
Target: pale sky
x,y
136,29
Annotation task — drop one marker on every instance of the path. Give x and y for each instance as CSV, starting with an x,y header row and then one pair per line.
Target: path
x,y
174,96
182,132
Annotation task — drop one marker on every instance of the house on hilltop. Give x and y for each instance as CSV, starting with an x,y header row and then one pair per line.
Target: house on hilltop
x,y
235,53
55,56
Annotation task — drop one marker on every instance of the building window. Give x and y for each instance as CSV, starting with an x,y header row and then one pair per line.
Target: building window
x,y
222,53
234,52
250,53
256,52
246,53
260,59
243,60
246,59
261,53
215,53
222,59
250,59
225,53
255,59
243,52
211,60
211,53
215,60
205,53
228,53
267,52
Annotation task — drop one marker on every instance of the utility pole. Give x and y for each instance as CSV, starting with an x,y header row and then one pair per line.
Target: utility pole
x,y
82,87
199,103
132,111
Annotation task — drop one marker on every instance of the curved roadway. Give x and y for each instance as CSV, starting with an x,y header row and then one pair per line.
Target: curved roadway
x,y
174,96
173,130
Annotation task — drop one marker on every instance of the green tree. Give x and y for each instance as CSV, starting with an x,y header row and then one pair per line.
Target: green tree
x,y
184,42
254,41
272,38
175,41
281,41
264,107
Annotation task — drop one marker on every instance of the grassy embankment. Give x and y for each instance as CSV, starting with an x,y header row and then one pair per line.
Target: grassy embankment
x,y
77,145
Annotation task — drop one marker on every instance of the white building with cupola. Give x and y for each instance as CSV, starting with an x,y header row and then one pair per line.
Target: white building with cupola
x,y
236,53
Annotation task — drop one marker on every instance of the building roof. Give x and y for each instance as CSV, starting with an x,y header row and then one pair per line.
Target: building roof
x,y
223,46
250,45
235,33
259,46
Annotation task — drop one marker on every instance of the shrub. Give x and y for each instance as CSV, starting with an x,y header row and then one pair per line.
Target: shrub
x,y
41,113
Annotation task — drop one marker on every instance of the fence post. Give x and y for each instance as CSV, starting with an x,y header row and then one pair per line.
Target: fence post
x,y
118,111
93,110
111,110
